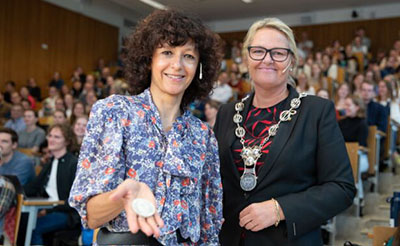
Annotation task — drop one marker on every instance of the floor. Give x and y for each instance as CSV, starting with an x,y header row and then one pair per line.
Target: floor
x,y
376,212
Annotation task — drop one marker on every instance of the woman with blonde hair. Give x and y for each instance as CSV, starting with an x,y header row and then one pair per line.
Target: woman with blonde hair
x,y
284,165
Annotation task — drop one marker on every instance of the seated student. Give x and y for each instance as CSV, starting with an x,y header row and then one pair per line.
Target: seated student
x,y
33,136
17,120
354,128
13,162
7,198
60,117
55,181
376,113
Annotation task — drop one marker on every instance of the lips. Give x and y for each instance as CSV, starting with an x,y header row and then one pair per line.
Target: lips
x,y
174,76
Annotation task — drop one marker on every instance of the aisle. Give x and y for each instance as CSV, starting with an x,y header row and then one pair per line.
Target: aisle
x,y
376,212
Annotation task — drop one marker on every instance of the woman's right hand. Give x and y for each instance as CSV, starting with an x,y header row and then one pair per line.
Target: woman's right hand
x,y
129,190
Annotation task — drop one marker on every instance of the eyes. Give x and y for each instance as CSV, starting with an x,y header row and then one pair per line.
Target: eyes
x,y
187,56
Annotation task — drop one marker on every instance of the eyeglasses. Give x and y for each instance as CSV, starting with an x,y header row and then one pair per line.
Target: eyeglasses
x,y
258,53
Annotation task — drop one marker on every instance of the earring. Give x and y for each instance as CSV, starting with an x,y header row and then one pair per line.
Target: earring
x,y
291,69
201,71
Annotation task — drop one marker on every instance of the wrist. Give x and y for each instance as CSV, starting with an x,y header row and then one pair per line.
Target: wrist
x,y
277,211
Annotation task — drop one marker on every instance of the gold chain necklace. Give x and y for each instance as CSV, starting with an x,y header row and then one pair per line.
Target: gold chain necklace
x,y
250,155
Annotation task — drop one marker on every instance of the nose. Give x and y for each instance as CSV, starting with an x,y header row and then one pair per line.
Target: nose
x,y
177,62
268,58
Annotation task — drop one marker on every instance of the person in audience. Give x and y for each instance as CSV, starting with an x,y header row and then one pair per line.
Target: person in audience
x,y
69,104
351,63
329,67
356,85
24,92
171,60
59,104
303,85
343,92
34,89
55,181
210,111
5,110
17,118
274,181
317,78
323,93
10,88
376,113
88,86
90,100
13,162
78,75
365,41
59,117
64,90
222,92
79,128
76,89
33,136
78,110
25,104
16,98
50,101
56,81
354,128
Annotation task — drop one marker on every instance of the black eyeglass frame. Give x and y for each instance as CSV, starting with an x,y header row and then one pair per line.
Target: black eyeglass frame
x,y
269,51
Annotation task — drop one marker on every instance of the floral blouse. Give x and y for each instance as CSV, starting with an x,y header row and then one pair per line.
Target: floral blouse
x,y
125,140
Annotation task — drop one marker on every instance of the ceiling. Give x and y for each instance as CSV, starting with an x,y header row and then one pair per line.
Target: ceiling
x,y
213,10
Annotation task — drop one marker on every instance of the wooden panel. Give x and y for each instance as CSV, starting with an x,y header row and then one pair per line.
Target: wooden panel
x,y
352,151
72,40
371,142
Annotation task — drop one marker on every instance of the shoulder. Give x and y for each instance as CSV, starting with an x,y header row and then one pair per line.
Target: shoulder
x,y
70,158
21,158
198,124
316,103
227,109
116,105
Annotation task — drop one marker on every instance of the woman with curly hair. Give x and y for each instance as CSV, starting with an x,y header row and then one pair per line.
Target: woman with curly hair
x,y
149,170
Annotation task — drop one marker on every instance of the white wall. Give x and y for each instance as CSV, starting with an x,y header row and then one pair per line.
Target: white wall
x,y
317,17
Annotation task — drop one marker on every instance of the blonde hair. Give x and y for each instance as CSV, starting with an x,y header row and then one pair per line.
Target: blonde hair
x,y
278,25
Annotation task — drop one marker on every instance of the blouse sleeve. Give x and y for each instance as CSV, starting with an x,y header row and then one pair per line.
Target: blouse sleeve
x,y
101,162
211,210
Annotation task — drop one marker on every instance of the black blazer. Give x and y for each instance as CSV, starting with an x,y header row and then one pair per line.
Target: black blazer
x,y
65,177
307,171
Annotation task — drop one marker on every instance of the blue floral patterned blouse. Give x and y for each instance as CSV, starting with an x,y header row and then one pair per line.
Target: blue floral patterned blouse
x,y
125,140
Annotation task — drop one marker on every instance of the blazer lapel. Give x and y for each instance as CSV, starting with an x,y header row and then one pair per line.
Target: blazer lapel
x,y
279,141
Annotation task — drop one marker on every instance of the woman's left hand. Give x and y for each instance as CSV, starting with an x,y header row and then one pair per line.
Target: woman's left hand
x,y
258,216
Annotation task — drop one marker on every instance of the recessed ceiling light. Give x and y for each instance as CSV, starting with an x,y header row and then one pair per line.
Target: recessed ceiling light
x,y
154,4
247,1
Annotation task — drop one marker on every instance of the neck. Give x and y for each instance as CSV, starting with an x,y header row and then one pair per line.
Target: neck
x,y
79,139
59,153
267,98
211,122
30,128
168,107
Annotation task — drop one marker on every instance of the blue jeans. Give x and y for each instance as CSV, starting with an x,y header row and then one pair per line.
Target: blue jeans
x,y
50,222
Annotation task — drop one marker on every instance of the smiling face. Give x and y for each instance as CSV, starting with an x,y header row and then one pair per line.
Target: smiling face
x,y
267,73
56,140
173,69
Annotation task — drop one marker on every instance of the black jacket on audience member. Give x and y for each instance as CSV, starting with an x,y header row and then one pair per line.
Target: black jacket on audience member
x,y
307,171
65,178
354,130
376,116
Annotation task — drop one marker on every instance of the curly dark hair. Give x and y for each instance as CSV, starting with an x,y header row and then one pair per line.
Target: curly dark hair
x,y
175,29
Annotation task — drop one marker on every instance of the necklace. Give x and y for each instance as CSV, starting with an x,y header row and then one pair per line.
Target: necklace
x,y
250,155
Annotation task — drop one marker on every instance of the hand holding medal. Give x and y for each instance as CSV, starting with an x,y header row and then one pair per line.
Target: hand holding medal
x,y
140,206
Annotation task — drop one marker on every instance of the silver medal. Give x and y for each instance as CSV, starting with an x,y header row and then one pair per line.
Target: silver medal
x,y
248,181
295,103
143,207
